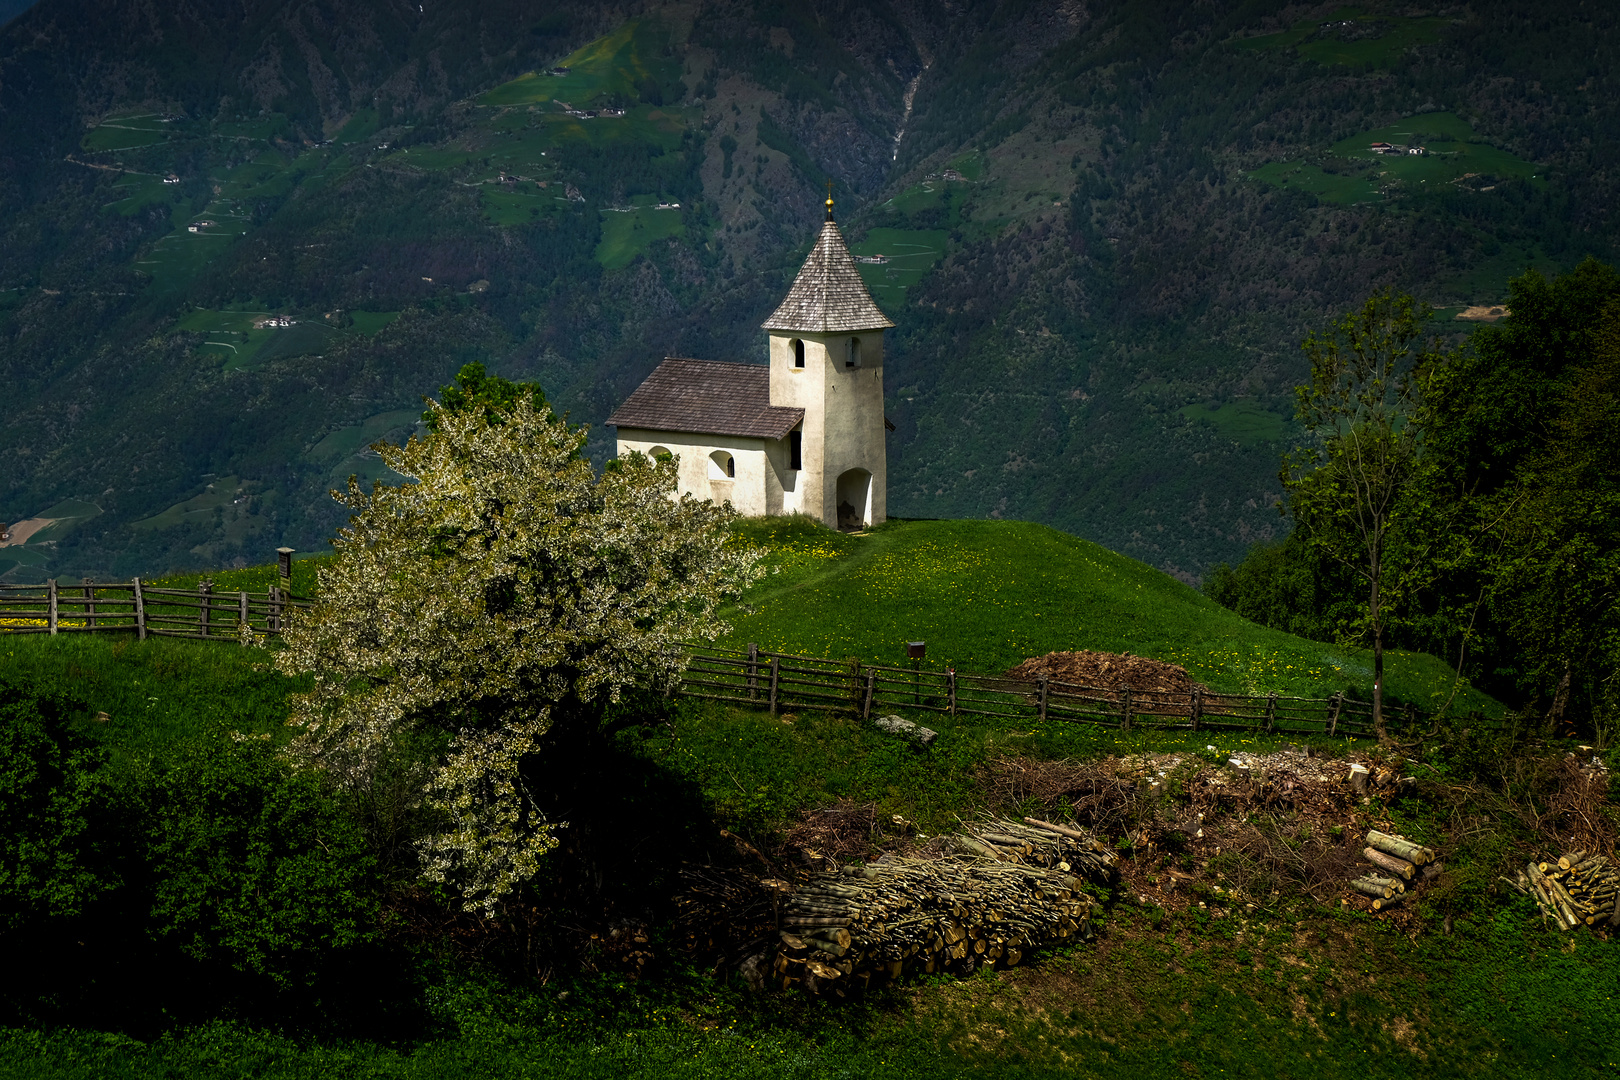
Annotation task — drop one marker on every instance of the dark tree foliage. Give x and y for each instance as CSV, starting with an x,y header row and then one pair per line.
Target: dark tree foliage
x,y
1519,493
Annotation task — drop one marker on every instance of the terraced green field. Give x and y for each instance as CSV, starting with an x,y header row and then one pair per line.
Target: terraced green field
x,y
1453,151
619,63
627,233
911,253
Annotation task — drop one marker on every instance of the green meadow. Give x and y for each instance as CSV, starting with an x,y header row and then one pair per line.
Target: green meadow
x,y
1244,422
1303,176
1453,150
618,64
911,253
1390,38
626,233
985,595
231,335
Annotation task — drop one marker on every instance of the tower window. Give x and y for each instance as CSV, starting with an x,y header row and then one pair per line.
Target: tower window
x,y
795,449
853,356
798,353
731,466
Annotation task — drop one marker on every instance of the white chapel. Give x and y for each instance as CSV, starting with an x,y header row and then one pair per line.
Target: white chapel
x,y
807,433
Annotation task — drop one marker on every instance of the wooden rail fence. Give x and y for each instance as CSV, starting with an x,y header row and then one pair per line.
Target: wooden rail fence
x,y
775,680
121,607
779,681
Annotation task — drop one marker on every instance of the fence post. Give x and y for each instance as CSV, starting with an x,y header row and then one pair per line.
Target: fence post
x,y
1271,713
776,662
90,601
1333,720
1197,706
1044,681
242,604
205,591
272,618
140,612
1125,715
753,671
871,687
950,682
52,619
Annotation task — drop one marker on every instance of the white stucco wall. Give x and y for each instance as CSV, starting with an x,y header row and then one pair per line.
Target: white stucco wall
x,y
843,417
758,487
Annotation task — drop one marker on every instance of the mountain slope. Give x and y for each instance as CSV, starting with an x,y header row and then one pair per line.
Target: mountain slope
x,y
1106,227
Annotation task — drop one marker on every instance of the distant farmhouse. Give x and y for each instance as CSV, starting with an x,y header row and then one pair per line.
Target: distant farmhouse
x,y
805,434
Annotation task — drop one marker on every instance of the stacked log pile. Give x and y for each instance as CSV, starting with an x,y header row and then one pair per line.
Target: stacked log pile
x,y
1398,862
1580,889
1012,887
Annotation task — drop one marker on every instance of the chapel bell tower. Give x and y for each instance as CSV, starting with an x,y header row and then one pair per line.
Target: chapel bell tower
x,y
826,343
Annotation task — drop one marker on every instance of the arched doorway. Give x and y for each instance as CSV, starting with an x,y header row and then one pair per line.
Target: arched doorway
x,y
854,500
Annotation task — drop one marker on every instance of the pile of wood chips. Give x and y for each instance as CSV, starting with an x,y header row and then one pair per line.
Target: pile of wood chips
x,y
1580,889
1107,671
1013,887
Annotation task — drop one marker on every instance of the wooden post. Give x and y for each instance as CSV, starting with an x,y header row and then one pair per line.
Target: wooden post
x,y
1044,682
272,617
242,602
753,671
1125,714
284,567
52,619
205,592
871,688
1333,718
140,612
1271,712
90,602
1197,706
950,685
776,662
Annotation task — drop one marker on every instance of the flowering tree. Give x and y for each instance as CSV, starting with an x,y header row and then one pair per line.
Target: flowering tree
x,y
505,592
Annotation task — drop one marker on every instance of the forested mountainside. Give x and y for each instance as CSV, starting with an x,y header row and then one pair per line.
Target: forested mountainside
x,y
239,241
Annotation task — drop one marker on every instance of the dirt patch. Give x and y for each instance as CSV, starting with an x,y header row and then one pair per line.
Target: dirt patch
x,y
1484,313
1108,671
19,533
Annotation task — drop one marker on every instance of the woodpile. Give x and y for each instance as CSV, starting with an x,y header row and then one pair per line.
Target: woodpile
x,y
1398,861
1580,889
1012,887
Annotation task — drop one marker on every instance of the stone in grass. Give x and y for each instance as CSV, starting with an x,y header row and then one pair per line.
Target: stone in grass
x,y
896,725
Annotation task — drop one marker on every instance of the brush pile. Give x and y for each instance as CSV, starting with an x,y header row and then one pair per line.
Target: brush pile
x,y
1011,888
1580,889
1398,862
1107,671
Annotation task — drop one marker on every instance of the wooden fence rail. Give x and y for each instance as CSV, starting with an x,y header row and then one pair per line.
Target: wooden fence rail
x,y
134,606
781,681
775,680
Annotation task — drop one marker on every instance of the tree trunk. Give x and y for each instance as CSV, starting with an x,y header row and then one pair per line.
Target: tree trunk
x,y
1378,660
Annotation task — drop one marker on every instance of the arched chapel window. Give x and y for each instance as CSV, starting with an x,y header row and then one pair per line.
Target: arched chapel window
x,y
853,357
798,352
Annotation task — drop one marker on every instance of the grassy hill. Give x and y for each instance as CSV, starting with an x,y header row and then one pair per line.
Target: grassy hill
x,y
987,594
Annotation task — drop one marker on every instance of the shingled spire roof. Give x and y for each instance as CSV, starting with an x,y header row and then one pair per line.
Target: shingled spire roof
x,y
828,296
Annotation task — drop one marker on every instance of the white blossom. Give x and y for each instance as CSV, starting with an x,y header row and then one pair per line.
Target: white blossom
x,y
504,589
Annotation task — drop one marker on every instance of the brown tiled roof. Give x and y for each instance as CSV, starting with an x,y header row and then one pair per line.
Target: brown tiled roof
x,y
707,397
828,296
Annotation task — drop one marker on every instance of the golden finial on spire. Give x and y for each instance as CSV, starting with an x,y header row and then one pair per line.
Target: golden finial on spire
x,y
829,200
